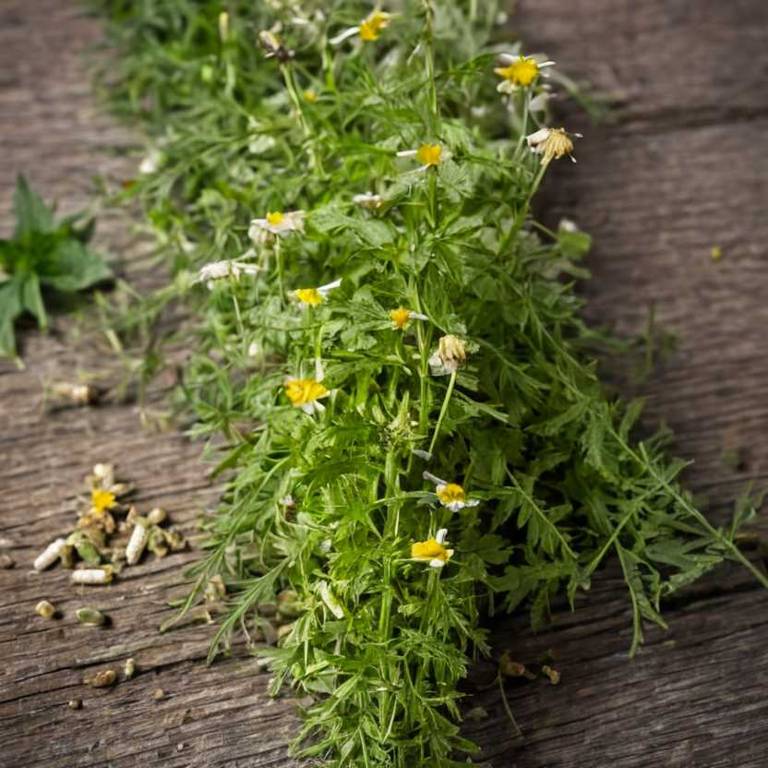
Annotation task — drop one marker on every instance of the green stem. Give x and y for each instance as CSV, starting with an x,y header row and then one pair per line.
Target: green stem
x,y
443,410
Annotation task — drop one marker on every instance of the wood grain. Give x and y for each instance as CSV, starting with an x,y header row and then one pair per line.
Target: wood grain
x,y
681,168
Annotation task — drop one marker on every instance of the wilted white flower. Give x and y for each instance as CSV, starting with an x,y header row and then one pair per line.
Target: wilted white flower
x,y
368,200
551,143
451,354
151,162
218,270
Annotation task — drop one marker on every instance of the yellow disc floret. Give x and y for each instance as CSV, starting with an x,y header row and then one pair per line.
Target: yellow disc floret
x,y
400,317
429,154
302,392
450,493
310,296
102,500
371,26
275,219
429,550
523,71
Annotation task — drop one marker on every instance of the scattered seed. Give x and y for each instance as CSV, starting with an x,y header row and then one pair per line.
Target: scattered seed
x,y
6,562
45,609
92,576
551,673
90,617
102,679
129,668
137,542
75,703
158,694
77,394
49,555
157,516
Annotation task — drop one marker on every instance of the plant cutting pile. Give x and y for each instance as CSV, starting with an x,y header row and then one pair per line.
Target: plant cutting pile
x,y
389,361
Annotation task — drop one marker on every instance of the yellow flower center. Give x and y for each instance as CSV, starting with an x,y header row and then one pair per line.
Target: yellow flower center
x,y
429,550
400,317
521,72
557,144
275,219
309,296
310,96
102,500
429,154
304,391
450,493
371,26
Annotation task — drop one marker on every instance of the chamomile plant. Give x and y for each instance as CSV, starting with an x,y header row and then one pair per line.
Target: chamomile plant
x,y
389,360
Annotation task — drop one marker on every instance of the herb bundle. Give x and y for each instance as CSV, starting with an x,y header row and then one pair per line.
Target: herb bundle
x,y
390,360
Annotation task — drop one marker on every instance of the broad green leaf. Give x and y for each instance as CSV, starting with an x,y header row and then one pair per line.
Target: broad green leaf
x,y
32,214
32,300
75,267
10,309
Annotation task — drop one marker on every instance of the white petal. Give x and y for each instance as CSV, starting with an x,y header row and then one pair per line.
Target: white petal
x,y
407,153
436,563
345,35
440,535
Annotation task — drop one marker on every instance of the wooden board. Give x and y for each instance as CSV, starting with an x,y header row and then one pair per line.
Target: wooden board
x,y
681,169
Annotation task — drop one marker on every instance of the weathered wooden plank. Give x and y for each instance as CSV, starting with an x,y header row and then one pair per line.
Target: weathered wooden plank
x,y
683,169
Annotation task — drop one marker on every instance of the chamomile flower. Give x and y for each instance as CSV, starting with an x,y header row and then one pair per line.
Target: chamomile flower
x,y
520,71
451,495
551,143
429,155
306,394
276,223
368,200
219,270
401,316
311,297
368,30
432,551
450,355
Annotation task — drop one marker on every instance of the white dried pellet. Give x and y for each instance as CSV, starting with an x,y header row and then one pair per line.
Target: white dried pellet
x,y
136,543
49,555
92,576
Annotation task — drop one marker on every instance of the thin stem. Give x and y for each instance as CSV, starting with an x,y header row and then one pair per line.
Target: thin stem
x,y
443,410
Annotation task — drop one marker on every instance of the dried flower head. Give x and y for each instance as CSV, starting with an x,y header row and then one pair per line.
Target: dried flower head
x,y
451,354
225,269
551,143
273,47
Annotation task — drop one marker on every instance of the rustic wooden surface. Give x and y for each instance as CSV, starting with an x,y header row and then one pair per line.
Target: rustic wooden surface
x,y
681,169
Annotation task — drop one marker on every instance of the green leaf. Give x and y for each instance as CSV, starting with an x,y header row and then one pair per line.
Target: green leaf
x,y
10,309
32,300
32,214
74,267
